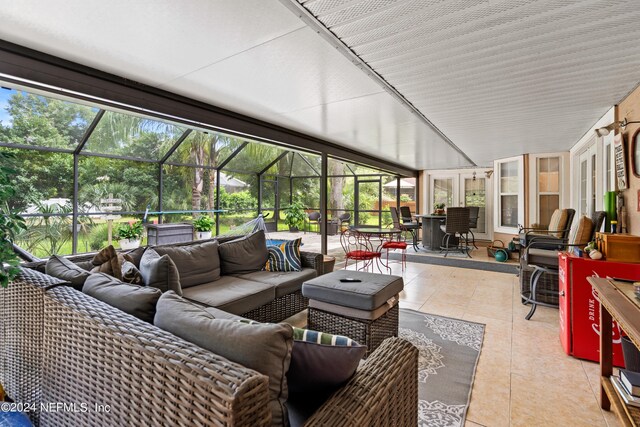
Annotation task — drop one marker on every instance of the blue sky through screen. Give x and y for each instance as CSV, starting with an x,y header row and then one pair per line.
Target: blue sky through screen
x,y
5,94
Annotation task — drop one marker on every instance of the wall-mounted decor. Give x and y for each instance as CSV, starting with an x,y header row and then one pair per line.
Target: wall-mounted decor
x,y
635,153
621,162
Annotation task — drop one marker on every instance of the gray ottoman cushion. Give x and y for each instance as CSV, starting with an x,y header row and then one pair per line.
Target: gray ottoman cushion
x,y
373,291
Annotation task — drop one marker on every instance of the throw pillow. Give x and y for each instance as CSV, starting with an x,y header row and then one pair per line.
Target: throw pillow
x,y
139,301
110,262
264,347
131,274
197,263
244,255
160,272
320,362
64,269
285,256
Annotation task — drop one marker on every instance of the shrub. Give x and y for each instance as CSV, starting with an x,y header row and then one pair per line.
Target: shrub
x,y
98,237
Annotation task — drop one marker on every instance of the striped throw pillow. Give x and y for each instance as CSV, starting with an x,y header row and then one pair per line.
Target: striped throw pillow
x,y
285,256
323,338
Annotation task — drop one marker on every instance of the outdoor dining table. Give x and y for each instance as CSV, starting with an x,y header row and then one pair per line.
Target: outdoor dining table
x,y
431,233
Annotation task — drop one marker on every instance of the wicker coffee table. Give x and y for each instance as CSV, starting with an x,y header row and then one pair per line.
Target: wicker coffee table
x,y
365,311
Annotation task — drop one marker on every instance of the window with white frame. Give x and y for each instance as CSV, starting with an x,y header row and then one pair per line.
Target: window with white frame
x,y
509,194
548,186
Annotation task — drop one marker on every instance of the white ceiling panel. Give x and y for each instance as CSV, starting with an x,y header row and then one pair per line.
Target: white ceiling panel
x,y
296,71
499,78
151,42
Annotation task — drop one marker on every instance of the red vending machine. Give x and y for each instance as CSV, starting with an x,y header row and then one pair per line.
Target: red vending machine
x,y
580,307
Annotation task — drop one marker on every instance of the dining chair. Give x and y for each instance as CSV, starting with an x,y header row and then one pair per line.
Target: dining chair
x,y
411,227
456,228
396,243
358,249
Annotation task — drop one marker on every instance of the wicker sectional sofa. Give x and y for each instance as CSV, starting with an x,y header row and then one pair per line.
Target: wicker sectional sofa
x,y
62,346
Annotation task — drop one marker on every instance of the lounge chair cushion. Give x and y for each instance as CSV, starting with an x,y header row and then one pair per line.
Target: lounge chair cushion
x,y
139,301
160,272
232,294
558,221
583,232
264,347
64,269
543,257
197,264
284,283
244,255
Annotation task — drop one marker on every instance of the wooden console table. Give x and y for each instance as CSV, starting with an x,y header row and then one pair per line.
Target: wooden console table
x,y
617,302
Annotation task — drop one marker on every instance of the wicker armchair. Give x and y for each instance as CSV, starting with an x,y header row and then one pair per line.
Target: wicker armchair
x,y
60,345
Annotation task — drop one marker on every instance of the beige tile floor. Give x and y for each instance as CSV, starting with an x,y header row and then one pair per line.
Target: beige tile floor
x,y
523,378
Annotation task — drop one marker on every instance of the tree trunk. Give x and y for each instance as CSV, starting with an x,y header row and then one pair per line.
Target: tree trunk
x,y
336,199
197,156
213,161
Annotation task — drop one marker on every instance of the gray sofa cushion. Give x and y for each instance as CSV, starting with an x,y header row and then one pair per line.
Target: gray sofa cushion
x,y
160,272
244,255
64,269
284,282
197,264
264,347
372,292
139,301
232,294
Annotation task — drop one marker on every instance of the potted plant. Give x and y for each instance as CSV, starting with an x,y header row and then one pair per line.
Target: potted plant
x,y
130,234
294,216
438,209
203,226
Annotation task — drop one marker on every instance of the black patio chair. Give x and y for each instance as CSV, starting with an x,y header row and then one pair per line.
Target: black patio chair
x,y
474,213
344,219
313,218
410,227
456,231
545,260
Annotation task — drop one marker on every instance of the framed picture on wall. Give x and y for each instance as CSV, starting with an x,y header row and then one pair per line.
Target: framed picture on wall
x,y
620,162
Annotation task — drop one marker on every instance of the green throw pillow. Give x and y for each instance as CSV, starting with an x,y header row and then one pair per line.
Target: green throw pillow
x,y
284,257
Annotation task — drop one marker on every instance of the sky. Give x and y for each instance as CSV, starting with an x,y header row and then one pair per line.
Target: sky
x,y
5,94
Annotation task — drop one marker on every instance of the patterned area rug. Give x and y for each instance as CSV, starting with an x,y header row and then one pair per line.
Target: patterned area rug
x,y
449,352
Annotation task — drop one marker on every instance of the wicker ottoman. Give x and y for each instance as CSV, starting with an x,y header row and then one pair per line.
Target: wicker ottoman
x,y
365,311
